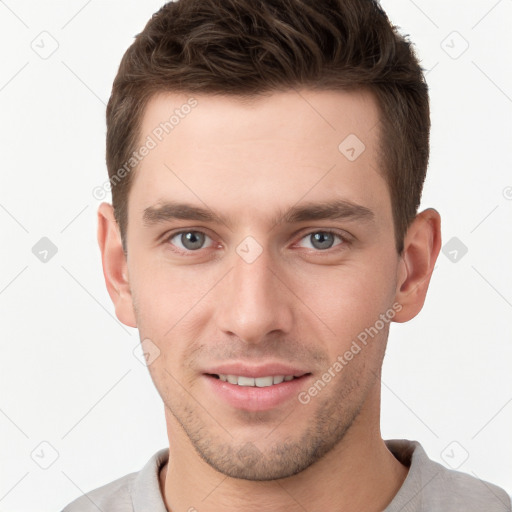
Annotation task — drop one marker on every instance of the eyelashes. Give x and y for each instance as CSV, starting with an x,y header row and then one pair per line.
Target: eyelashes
x,y
334,234
191,242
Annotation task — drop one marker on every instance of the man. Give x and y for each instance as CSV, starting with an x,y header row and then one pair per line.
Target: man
x,y
267,159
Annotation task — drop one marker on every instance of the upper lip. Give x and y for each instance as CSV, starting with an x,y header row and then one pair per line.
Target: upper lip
x,y
260,370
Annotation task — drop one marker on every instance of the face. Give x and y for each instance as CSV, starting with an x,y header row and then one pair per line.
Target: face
x,y
260,248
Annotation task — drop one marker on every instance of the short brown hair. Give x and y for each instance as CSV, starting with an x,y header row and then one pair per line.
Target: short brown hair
x,y
248,47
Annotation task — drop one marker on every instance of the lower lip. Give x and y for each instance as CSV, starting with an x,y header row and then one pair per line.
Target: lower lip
x,y
252,398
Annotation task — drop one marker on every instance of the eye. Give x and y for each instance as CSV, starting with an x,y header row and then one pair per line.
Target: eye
x,y
323,240
188,241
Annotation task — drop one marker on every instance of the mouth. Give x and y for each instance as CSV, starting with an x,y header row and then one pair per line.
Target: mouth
x,y
249,393
258,382
268,385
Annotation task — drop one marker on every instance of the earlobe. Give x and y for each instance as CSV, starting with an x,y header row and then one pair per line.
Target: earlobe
x,y
115,268
421,248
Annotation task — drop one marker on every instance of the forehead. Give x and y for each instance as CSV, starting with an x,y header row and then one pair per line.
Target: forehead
x,y
321,116
260,155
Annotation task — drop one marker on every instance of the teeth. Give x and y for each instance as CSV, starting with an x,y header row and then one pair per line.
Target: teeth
x,y
245,381
260,382
232,379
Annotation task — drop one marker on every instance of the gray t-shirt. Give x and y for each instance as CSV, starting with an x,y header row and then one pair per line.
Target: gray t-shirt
x,y
429,487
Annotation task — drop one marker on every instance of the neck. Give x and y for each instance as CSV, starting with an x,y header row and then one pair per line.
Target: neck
x,y
360,473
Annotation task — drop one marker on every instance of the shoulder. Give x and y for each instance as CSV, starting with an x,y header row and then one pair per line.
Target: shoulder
x,y
457,489
133,492
431,486
112,497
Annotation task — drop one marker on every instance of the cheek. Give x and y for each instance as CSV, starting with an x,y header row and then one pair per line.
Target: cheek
x,y
167,301
347,300
167,298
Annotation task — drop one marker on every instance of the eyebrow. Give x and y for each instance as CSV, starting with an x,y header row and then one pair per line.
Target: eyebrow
x,y
326,210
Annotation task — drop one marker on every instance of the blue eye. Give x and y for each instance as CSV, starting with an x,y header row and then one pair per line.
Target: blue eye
x,y
189,240
323,240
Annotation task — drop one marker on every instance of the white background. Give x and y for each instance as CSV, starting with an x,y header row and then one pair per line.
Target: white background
x,y
68,375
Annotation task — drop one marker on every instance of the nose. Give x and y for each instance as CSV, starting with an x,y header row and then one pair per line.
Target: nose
x,y
254,300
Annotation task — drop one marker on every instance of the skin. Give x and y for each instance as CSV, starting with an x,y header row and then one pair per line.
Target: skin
x,y
296,303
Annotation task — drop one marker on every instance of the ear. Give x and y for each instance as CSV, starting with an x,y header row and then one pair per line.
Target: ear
x,y
115,267
421,247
